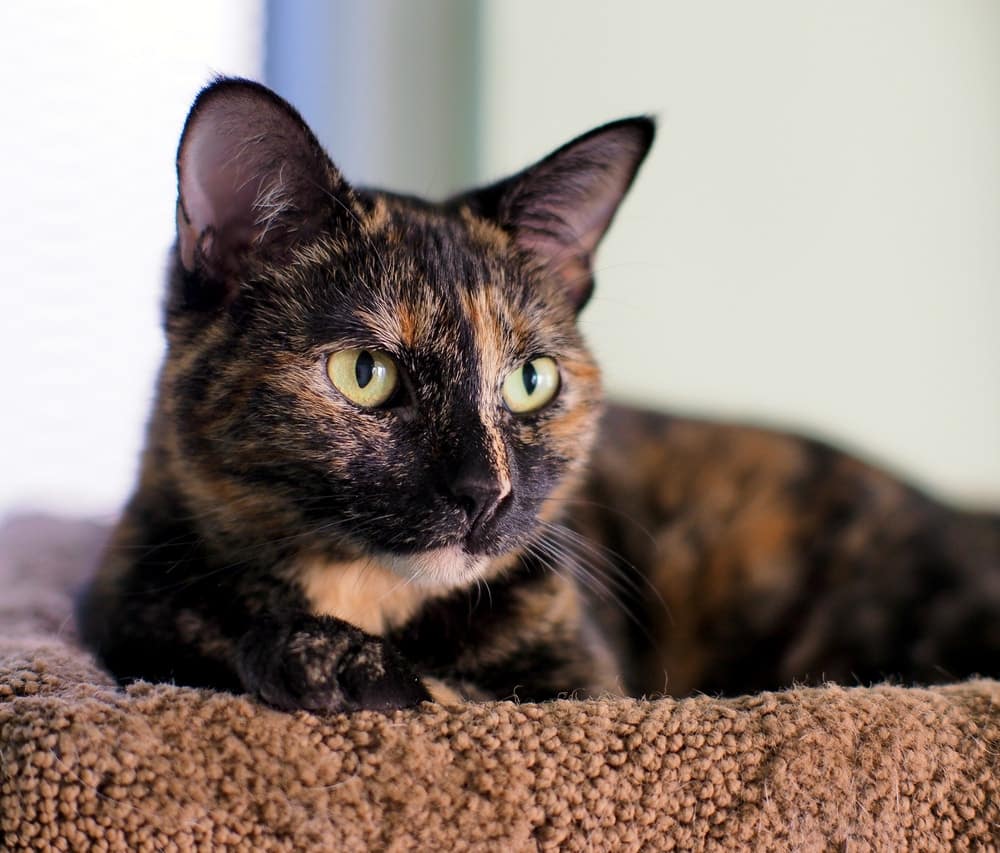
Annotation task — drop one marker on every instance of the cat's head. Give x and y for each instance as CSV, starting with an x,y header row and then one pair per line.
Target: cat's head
x,y
376,374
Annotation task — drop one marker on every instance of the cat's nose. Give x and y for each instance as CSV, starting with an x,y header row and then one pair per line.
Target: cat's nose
x,y
480,492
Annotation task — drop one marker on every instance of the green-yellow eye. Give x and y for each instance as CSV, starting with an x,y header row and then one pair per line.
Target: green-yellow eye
x,y
366,377
531,386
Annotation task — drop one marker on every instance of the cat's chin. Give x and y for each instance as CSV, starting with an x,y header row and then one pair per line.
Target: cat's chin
x,y
438,568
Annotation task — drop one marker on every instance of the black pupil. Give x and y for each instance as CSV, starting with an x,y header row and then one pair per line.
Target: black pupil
x,y
530,377
364,368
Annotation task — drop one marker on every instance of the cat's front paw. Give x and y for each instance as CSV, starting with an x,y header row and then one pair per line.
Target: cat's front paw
x,y
325,664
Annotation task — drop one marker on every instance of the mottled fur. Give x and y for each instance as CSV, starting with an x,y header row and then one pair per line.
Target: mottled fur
x,y
284,542
781,560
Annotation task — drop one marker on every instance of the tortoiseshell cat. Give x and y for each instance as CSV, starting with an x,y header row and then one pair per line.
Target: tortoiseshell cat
x,y
368,479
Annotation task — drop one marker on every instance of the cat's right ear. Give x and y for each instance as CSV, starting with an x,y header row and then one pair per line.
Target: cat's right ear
x,y
558,210
251,179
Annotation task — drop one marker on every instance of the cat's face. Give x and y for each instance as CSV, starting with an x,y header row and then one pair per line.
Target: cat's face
x,y
387,377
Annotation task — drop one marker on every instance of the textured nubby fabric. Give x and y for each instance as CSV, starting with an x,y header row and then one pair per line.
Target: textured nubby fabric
x,y
87,766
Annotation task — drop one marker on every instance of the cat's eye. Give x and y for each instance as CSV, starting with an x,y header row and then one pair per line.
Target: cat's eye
x,y
531,386
366,377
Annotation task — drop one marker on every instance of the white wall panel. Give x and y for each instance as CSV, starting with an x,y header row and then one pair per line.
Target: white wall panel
x,y
94,96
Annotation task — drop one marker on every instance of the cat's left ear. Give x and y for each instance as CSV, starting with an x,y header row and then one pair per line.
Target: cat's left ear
x,y
559,209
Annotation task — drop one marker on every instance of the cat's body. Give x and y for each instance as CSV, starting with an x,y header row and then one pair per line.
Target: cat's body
x,y
778,560
368,477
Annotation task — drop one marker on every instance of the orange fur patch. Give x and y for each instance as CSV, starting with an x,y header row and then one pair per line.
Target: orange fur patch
x,y
360,592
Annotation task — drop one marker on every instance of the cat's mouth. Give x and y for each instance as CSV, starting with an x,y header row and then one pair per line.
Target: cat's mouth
x,y
457,558
441,568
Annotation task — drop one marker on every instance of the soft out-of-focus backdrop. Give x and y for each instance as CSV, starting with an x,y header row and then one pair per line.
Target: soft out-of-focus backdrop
x,y
815,241
94,95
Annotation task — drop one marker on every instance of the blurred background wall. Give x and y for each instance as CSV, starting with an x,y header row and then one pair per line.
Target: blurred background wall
x,y
814,242
94,95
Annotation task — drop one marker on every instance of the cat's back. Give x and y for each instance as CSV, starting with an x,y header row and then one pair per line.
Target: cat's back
x,y
749,558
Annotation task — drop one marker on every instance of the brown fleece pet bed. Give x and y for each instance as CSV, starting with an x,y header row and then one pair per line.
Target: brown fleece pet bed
x,y
85,765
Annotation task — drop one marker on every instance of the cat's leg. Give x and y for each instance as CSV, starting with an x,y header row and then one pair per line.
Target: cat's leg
x,y
319,663
533,641
531,638
169,614
287,658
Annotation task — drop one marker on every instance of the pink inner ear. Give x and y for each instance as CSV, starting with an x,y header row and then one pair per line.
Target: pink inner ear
x,y
564,225
566,259
574,224
560,208
218,190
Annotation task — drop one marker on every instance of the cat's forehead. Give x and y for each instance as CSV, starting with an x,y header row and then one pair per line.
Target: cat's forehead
x,y
417,277
444,251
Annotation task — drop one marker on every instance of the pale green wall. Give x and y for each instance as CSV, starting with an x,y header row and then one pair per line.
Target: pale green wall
x,y
816,238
